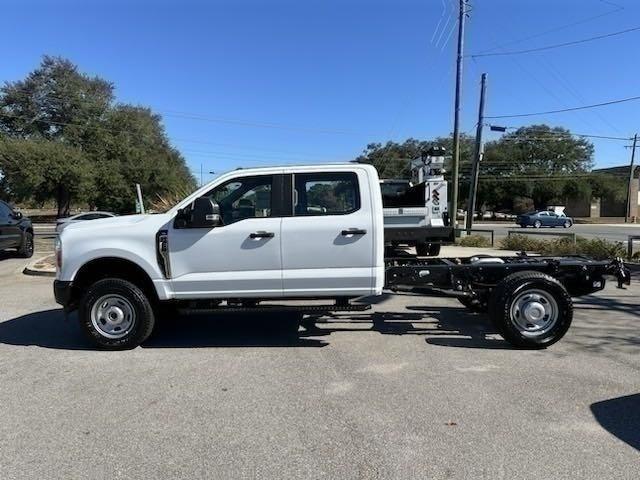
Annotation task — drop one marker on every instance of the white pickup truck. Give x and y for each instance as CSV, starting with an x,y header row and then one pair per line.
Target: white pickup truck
x,y
253,240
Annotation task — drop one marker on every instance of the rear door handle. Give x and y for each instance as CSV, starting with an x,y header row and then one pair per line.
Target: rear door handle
x,y
354,231
262,234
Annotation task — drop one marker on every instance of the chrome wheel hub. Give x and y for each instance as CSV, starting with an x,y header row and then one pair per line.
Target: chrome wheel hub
x,y
113,316
534,312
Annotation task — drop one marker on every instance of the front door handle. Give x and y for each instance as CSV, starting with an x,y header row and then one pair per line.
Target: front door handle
x,y
354,231
262,234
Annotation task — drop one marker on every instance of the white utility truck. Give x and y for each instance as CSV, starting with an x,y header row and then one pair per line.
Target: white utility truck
x,y
415,211
254,240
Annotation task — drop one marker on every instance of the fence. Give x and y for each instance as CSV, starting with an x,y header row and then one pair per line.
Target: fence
x,y
478,230
630,245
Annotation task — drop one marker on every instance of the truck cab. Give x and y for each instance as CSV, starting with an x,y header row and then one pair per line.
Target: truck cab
x,y
250,235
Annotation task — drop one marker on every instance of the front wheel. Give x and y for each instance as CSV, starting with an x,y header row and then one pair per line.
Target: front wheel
x,y
531,309
537,224
567,224
116,314
26,247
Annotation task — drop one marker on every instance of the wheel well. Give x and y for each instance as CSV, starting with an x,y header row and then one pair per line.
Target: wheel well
x,y
112,267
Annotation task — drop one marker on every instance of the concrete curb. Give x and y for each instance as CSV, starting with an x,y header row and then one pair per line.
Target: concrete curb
x,y
39,271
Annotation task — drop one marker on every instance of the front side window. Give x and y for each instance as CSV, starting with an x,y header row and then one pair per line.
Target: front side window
x,y
326,193
241,198
5,211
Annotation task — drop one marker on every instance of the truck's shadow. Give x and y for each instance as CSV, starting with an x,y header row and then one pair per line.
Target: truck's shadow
x,y
438,325
445,326
620,417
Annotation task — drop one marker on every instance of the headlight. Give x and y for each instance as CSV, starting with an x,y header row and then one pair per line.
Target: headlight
x,y
57,247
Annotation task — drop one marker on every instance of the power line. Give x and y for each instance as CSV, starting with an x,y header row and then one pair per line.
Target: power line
x,y
205,118
147,137
557,45
573,109
571,134
559,28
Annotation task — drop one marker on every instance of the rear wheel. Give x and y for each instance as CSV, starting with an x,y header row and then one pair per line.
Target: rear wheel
x,y
531,309
116,314
567,224
537,224
26,248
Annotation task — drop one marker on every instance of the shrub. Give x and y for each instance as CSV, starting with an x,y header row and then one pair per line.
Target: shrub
x,y
474,241
521,242
596,248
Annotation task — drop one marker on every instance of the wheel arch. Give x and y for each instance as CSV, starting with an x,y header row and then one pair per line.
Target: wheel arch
x,y
112,267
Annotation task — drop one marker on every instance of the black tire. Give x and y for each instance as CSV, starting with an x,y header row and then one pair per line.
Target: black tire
x,y
504,299
427,249
537,224
474,305
143,318
567,224
26,249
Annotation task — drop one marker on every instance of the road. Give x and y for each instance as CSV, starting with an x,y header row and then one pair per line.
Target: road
x,y
615,232
417,388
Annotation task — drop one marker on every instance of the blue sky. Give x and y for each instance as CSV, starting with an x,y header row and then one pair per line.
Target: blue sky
x,y
248,82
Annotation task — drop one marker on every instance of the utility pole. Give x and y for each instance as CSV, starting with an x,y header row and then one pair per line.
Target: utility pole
x,y
629,199
477,156
456,114
201,177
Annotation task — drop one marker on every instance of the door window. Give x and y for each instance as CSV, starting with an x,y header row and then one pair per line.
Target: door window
x,y
245,197
326,193
5,212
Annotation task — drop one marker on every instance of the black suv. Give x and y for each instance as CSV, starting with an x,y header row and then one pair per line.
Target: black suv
x,y
16,231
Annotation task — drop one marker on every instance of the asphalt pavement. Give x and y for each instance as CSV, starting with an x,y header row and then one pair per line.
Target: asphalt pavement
x,y
415,388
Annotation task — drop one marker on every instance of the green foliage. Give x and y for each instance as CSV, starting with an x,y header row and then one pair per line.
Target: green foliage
x,y
517,164
392,159
474,241
514,170
67,141
596,248
42,170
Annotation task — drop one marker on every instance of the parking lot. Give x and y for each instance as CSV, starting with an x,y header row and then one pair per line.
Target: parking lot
x,y
417,387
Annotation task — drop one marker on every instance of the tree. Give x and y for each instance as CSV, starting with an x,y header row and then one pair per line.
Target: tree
x,y
392,159
44,170
63,123
132,147
538,162
54,102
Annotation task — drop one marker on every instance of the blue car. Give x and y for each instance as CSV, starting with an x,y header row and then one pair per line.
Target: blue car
x,y
544,219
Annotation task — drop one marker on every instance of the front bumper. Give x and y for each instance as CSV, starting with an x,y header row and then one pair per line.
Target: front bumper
x,y
62,292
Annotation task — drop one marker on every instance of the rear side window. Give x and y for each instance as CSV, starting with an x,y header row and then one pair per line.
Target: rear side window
x,y
326,193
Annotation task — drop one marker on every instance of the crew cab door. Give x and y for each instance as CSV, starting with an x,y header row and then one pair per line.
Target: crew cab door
x,y
240,258
328,243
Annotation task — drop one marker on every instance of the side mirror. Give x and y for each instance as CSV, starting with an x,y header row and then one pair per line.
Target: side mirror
x,y
203,213
17,215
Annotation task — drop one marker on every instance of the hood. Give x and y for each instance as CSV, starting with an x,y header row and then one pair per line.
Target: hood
x,y
122,221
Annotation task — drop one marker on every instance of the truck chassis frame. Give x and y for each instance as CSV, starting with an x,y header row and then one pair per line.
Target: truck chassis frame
x,y
483,284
